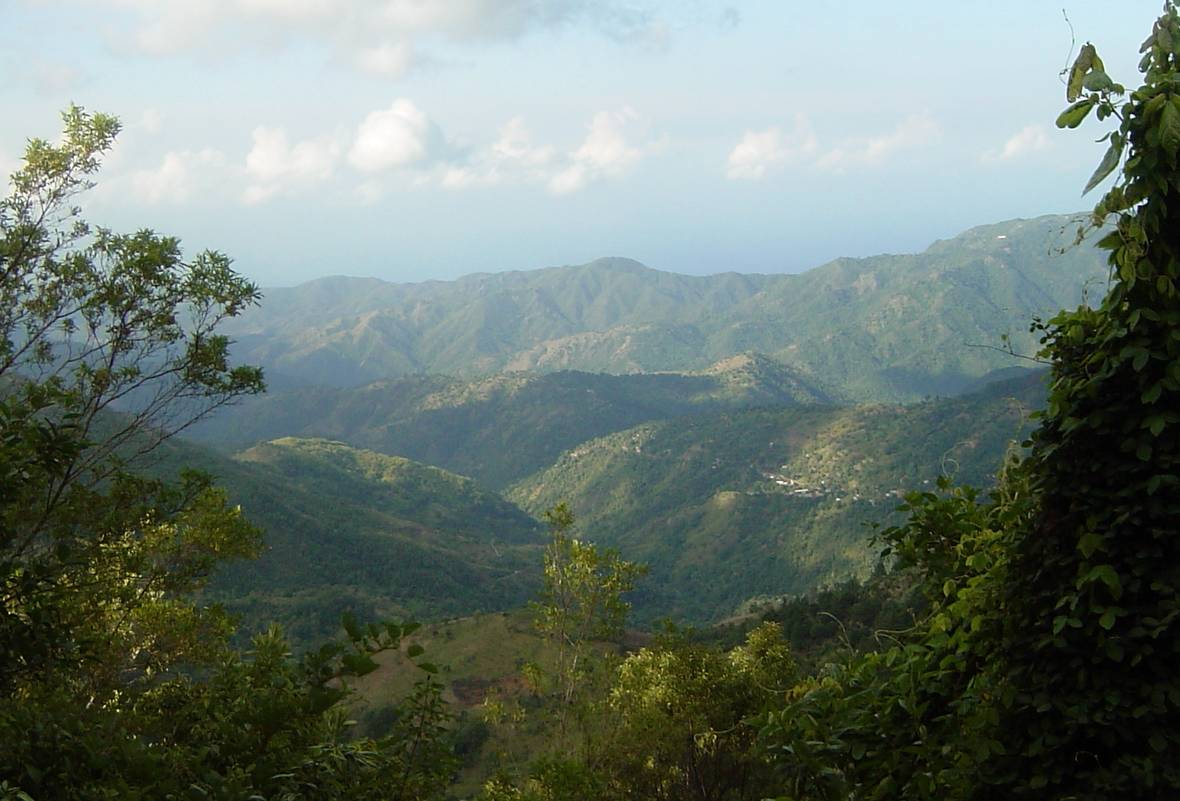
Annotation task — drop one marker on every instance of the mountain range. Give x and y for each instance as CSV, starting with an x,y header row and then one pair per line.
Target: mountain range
x,y
723,503
740,434
893,327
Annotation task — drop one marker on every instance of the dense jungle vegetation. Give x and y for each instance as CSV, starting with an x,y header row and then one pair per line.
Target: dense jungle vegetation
x,y
1019,642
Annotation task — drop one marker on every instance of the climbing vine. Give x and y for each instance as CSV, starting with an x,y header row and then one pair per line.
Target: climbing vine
x,y
1047,667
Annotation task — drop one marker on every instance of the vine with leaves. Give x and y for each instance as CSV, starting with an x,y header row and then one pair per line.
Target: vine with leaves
x,y
1047,666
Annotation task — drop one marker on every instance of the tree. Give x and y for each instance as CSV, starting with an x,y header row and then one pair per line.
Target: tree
x,y
581,603
114,681
107,346
677,715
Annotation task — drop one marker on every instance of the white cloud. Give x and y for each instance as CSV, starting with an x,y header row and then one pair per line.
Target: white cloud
x,y
1030,139
515,146
761,151
375,35
180,175
911,133
389,59
399,136
513,156
257,194
605,152
571,179
274,164
167,27
606,146
291,11
273,158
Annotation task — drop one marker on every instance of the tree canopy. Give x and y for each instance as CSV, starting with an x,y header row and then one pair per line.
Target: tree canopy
x,y
115,682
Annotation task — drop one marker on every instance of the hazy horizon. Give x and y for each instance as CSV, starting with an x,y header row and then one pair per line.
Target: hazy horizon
x,y
1067,236
409,141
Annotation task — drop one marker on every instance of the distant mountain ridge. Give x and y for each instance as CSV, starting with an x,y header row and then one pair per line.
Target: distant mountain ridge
x,y
894,327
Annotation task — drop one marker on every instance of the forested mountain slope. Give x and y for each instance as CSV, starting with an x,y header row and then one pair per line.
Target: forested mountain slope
x,y
504,427
732,505
895,327
352,529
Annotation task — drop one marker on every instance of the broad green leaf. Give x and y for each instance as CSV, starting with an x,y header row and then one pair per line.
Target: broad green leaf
x,y
1090,542
1111,160
1107,619
1164,39
415,650
1077,73
1108,576
1170,125
1097,81
1072,117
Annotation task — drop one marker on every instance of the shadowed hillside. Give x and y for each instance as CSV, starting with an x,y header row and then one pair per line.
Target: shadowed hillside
x,y
352,529
502,428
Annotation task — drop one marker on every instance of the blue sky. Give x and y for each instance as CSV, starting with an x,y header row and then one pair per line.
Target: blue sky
x,y
417,139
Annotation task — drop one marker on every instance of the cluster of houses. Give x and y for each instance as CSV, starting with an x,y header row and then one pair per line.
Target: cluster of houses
x,y
822,489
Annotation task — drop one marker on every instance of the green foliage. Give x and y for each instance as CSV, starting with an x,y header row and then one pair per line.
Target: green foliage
x,y
581,603
1046,667
258,724
772,501
114,682
915,720
551,778
1091,639
853,615
676,717
92,558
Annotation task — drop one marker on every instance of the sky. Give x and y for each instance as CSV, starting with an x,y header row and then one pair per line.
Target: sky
x,y
427,139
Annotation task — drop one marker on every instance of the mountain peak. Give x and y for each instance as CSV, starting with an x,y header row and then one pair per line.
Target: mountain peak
x,y
618,264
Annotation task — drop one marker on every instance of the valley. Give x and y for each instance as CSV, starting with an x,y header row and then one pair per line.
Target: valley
x,y
760,473
593,401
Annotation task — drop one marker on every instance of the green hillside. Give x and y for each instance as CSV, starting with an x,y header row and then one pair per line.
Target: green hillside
x,y
352,529
893,327
502,428
728,506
